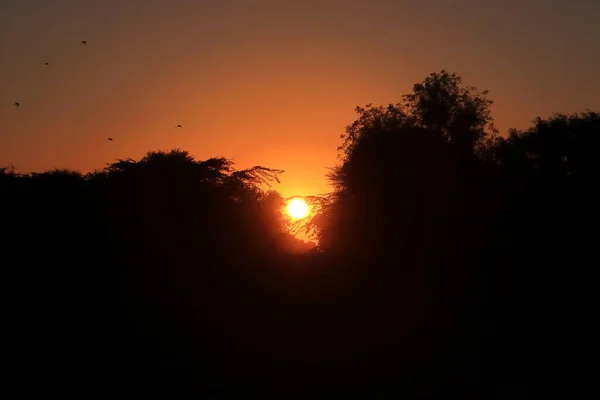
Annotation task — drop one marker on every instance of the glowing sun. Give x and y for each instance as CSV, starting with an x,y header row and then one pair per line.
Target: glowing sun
x,y
297,208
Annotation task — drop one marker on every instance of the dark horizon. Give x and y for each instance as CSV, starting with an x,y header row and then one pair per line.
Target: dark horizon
x,y
444,254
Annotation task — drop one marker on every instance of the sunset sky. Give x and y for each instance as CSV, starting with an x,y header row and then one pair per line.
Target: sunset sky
x,y
269,82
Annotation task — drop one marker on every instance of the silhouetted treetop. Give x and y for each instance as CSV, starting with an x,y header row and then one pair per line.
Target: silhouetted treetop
x,y
560,146
178,164
373,120
440,104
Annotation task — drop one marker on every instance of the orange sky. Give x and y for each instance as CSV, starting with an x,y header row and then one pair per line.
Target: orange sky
x,y
268,82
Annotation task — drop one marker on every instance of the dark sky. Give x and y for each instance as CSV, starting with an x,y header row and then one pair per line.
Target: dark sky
x,y
269,82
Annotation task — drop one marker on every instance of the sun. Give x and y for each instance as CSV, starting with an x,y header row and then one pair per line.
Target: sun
x,y
297,208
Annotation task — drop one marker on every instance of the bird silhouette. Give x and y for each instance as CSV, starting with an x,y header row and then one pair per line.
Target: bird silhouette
x,y
84,42
178,126
110,139
16,103
47,63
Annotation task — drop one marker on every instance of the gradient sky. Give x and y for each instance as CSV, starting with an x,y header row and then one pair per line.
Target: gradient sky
x,y
269,82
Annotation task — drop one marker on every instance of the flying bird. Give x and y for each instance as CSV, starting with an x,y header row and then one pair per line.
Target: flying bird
x,y
110,139
84,42
16,103
178,126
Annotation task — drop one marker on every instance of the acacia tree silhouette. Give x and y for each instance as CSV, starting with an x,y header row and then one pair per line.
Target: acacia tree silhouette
x,y
143,245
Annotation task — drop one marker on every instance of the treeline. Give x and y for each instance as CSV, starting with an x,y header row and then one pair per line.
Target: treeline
x,y
450,260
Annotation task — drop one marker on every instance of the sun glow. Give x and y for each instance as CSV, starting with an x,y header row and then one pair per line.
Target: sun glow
x,y
297,208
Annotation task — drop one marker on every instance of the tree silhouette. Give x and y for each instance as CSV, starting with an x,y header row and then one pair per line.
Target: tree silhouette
x,y
540,203
406,157
449,261
460,113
